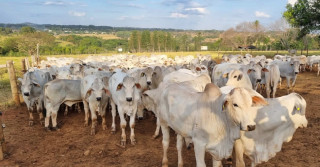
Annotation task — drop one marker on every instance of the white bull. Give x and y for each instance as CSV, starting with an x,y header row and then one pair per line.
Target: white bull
x,y
125,94
212,121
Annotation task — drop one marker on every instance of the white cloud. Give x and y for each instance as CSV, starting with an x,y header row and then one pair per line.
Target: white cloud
x,y
131,17
77,14
54,3
178,15
196,10
262,14
292,2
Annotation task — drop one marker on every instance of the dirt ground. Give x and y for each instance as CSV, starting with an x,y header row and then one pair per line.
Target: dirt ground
x,y
33,146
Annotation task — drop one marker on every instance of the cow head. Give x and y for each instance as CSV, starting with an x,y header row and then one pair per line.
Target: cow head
x,y
29,84
129,87
238,104
295,65
99,88
255,73
147,73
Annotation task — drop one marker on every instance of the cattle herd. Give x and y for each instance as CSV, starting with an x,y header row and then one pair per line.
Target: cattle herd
x,y
214,107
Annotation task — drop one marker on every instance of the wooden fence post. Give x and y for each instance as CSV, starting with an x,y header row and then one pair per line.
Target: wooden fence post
x,y
27,63
2,141
13,82
23,62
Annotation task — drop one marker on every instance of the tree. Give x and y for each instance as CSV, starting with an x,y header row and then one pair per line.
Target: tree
x,y
27,29
27,43
305,15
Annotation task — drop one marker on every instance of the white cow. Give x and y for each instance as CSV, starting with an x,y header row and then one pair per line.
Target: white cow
x,y
220,69
272,78
95,94
125,94
57,92
275,124
288,70
32,85
210,120
198,83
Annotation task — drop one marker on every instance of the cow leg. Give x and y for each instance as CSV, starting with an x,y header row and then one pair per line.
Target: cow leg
x,y
274,90
86,113
104,122
113,112
93,119
66,111
216,163
156,133
132,125
79,108
199,150
280,83
54,119
140,111
288,85
39,110
47,119
123,124
179,149
294,82
165,144
268,90
30,117
237,154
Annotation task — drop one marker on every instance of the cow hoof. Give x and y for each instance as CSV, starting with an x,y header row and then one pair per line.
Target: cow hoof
x,y
123,143
41,122
133,141
47,129
55,129
93,131
30,123
155,136
85,124
104,127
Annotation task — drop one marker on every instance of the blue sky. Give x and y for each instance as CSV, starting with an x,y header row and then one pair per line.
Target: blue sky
x,y
181,14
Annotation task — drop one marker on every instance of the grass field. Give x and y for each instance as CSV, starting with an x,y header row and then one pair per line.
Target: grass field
x,y
103,36
6,98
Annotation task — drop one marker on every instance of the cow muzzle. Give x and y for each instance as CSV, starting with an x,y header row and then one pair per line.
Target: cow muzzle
x,y
296,72
129,99
258,80
149,82
26,93
98,98
251,127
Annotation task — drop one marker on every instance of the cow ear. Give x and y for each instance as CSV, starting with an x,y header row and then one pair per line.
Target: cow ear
x,y
240,77
258,101
99,69
88,93
36,84
265,70
224,105
249,71
138,85
119,86
225,75
198,69
107,91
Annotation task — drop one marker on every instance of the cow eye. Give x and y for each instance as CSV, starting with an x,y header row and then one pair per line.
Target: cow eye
x,y
235,105
142,74
235,77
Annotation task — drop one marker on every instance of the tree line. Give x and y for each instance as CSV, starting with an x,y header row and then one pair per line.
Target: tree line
x,y
24,43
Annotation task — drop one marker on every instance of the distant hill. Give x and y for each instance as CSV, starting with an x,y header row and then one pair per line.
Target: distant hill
x,y
88,28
